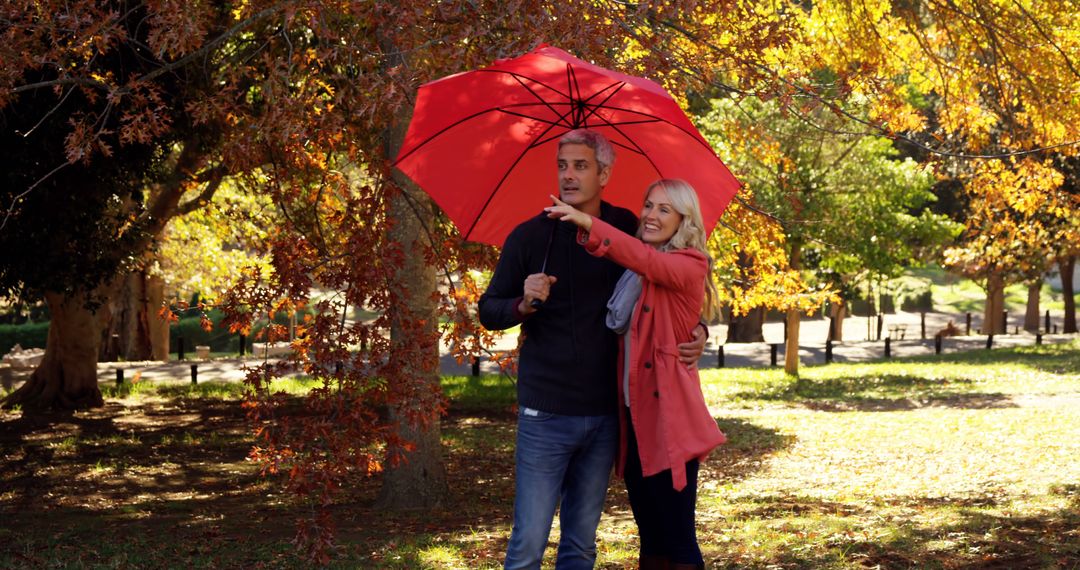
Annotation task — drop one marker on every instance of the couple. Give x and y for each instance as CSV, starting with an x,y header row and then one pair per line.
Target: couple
x,y
607,366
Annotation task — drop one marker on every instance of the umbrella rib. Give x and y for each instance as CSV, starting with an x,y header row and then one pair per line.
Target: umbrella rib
x,y
505,175
535,94
575,96
561,121
441,131
520,76
519,79
603,104
657,119
638,148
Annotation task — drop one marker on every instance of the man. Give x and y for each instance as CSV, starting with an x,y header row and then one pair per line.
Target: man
x,y
568,427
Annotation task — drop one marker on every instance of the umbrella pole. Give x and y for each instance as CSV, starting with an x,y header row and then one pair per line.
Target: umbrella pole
x,y
543,267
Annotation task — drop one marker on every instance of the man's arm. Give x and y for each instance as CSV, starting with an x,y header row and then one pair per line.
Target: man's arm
x,y
504,302
690,352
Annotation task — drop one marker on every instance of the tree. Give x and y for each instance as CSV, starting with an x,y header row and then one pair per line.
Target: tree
x,y
99,164
285,97
848,206
998,78
972,81
1066,236
1009,236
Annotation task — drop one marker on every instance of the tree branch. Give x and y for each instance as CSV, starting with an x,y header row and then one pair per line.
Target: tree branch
x,y
841,111
18,197
210,45
213,178
63,81
1046,36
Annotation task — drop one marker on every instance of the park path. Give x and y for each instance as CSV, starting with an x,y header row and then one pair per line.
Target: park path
x,y
812,335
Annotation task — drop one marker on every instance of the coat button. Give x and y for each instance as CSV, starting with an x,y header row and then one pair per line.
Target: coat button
x,y
656,394
607,241
648,365
645,308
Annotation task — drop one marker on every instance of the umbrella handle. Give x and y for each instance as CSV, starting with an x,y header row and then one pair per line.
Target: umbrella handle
x,y
537,303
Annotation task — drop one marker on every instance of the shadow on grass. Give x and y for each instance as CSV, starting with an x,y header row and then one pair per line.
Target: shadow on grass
x,y
748,446
908,533
981,536
877,393
121,455
115,480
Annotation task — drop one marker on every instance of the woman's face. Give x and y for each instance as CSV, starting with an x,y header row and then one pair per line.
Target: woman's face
x,y
659,220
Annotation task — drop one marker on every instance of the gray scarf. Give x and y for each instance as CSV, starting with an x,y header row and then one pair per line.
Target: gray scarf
x,y
621,305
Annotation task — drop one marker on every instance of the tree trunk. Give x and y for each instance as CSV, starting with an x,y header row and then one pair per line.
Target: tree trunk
x,y
995,304
66,379
1031,315
134,329
418,479
791,347
748,327
837,311
1067,265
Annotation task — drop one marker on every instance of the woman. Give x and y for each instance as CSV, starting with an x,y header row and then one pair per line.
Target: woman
x,y
656,303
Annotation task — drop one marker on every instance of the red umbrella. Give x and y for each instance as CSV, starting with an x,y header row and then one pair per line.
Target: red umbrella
x,y
482,143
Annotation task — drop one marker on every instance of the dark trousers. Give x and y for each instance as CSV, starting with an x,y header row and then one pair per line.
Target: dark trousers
x,y
665,517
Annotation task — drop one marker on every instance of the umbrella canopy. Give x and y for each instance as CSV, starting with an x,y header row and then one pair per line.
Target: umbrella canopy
x,y
483,143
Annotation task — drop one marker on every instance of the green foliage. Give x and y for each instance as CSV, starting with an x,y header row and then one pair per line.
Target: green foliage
x,y
191,330
919,302
849,202
218,338
29,335
201,251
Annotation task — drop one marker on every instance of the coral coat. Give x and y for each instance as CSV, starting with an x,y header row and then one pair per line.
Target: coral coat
x,y
672,423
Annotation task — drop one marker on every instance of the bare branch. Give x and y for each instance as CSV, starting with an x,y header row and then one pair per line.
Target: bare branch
x,y
213,178
11,208
63,81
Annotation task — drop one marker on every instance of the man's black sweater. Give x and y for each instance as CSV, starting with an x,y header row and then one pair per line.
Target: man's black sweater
x,y
568,358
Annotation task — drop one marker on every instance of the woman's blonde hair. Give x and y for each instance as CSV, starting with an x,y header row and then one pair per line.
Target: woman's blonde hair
x,y
691,233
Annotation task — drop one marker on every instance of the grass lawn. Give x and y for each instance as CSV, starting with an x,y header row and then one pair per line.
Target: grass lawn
x,y
967,460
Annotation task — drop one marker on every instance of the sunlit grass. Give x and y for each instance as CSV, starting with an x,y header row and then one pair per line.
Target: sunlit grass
x,y
1034,370
964,460
66,445
468,392
213,390
934,462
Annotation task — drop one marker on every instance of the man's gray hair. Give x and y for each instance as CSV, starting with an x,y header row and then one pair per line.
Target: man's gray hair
x,y
605,153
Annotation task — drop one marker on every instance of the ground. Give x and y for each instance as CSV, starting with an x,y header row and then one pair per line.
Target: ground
x,y
962,461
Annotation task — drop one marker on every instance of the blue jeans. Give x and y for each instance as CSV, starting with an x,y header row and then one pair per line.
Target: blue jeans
x,y
560,457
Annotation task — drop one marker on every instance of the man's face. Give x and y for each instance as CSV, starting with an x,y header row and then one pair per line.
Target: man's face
x,y
580,178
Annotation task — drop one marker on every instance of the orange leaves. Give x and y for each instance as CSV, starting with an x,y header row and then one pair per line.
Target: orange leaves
x,y
178,27
1017,219
752,266
147,116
